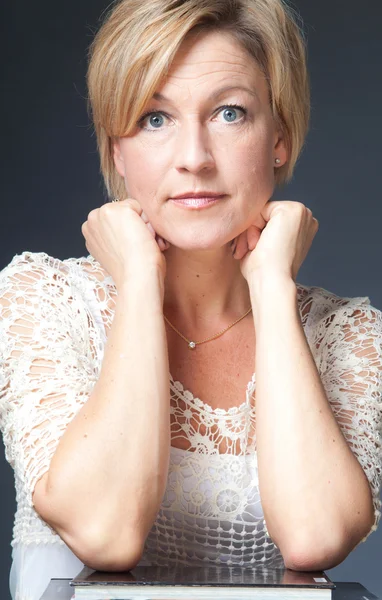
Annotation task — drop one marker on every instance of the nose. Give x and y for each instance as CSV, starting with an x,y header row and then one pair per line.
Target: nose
x,y
193,151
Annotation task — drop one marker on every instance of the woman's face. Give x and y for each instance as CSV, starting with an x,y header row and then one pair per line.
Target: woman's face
x,y
192,141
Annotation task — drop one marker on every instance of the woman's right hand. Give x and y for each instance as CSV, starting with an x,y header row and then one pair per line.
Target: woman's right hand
x,y
119,236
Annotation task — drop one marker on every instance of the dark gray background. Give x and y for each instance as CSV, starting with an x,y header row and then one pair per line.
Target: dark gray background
x,y
50,177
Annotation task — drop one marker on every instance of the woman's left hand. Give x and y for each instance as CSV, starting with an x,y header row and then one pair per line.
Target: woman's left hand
x,y
279,241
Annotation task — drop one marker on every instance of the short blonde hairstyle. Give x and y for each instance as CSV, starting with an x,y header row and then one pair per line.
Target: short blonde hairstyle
x,y
137,42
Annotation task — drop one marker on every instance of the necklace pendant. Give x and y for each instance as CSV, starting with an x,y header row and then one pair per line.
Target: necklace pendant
x,y
192,345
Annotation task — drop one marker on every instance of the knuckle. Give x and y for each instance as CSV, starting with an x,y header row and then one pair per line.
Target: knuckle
x,y
134,204
300,207
105,209
92,214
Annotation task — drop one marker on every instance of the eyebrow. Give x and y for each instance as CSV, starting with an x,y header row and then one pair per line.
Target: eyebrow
x,y
215,94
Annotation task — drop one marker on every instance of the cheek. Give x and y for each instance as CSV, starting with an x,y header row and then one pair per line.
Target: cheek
x,y
253,179
142,175
254,169
256,149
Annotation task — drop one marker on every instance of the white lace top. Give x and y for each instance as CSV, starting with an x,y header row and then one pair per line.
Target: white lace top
x,y
211,511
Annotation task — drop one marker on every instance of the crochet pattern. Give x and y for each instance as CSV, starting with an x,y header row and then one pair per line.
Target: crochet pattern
x,y
54,318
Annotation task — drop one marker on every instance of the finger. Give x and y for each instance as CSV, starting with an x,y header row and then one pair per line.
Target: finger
x,y
134,204
144,217
266,211
166,244
253,236
151,229
161,243
241,246
93,213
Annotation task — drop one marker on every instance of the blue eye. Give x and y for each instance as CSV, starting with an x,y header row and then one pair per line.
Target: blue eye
x,y
153,115
230,111
156,117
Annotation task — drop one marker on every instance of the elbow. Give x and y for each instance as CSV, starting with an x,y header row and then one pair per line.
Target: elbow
x,y
102,554
311,557
325,554
112,557
300,561
100,548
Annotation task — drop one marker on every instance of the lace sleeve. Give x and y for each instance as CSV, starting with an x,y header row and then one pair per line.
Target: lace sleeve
x,y
46,366
351,372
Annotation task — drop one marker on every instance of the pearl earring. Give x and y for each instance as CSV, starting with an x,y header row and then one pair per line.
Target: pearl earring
x,y
277,161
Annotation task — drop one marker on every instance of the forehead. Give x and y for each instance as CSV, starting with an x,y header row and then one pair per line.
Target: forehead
x,y
211,59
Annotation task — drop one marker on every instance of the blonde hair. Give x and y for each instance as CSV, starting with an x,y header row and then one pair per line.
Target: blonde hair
x,y
134,48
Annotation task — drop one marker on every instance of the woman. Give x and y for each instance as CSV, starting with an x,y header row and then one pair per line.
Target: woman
x,y
153,389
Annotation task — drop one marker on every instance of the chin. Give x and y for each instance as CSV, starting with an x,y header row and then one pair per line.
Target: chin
x,y
199,243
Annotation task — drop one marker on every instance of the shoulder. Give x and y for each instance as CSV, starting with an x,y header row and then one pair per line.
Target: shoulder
x,y
72,289
29,278
29,267
326,305
43,298
337,320
32,281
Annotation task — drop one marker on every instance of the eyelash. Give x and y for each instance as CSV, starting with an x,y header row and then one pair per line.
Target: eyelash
x,y
155,112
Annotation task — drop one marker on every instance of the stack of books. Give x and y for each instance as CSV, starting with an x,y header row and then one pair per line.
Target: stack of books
x,y
208,583
163,583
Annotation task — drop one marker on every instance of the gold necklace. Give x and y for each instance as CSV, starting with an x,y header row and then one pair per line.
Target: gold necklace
x,y
192,345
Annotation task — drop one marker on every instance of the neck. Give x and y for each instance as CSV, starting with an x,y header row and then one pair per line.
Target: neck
x,y
204,289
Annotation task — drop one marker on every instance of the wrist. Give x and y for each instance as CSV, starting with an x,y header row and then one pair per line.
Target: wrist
x,y
146,282
268,289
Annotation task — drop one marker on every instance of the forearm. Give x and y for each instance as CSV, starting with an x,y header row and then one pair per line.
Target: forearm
x,y
311,484
109,472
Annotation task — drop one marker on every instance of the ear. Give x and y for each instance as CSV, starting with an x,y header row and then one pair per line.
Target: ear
x,y
280,150
117,156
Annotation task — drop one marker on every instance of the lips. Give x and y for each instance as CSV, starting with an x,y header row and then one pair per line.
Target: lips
x,y
202,194
196,203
